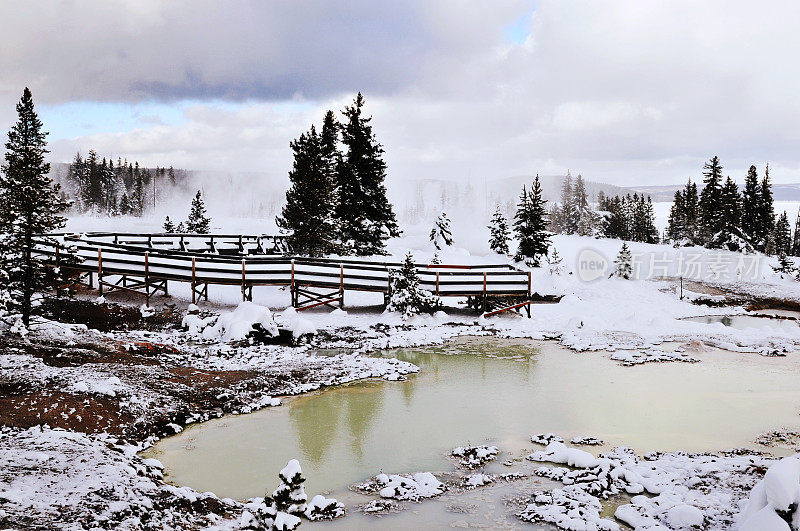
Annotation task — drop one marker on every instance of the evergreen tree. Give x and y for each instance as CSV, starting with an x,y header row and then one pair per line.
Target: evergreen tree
x,y
580,203
555,220
290,496
169,226
783,235
785,265
569,211
440,233
729,235
365,215
31,203
308,213
711,215
499,233
691,206
124,204
530,225
623,263
615,224
406,296
676,225
198,222
751,202
554,263
796,238
766,212
650,231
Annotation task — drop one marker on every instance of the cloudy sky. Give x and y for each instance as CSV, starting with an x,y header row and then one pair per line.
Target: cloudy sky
x,y
627,92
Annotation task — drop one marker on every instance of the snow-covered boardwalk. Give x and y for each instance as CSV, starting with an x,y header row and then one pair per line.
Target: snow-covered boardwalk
x,y
146,262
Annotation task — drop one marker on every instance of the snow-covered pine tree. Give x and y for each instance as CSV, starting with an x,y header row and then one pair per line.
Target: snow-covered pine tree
x,y
555,220
766,211
569,215
440,233
530,225
796,236
650,230
364,213
406,296
31,205
169,226
198,222
783,235
676,225
290,496
499,233
554,263
711,215
307,216
730,235
623,263
751,200
583,214
785,265
692,211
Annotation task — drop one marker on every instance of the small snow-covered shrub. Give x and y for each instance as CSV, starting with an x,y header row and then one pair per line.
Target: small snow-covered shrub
x,y
322,508
407,297
475,456
290,496
624,263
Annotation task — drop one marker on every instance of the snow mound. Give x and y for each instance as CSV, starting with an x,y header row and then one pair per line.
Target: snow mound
x,y
557,452
775,499
545,438
409,487
237,325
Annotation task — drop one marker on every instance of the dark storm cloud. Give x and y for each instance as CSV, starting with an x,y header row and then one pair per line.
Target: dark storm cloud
x,y
128,51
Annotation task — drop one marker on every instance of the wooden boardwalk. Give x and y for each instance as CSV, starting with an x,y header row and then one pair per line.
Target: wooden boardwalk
x,y
145,263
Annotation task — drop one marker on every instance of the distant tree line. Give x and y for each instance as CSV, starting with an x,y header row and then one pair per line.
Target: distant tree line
x,y
628,217
337,199
100,186
722,217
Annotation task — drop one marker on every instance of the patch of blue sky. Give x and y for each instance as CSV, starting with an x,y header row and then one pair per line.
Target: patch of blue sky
x,y
517,31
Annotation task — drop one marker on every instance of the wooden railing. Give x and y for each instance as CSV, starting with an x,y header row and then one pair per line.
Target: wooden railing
x,y
194,259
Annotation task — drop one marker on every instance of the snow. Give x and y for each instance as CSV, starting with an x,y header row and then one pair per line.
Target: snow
x,y
409,487
779,491
475,456
322,508
237,325
557,452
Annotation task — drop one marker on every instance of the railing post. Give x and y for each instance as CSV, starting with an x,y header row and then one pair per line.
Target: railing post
x,y
341,285
244,282
194,283
147,278
100,270
530,284
484,292
291,286
437,283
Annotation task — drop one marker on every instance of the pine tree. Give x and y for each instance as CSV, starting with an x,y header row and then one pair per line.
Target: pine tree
x,y
198,222
796,238
580,203
751,201
31,203
783,235
169,226
365,215
406,296
785,265
691,206
308,213
530,225
440,233
615,224
729,235
676,225
569,214
711,215
554,263
650,231
499,233
124,204
766,212
624,263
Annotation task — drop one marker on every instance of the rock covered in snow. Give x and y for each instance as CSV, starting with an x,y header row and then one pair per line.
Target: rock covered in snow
x,y
587,441
409,486
545,438
238,324
475,456
557,452
774,501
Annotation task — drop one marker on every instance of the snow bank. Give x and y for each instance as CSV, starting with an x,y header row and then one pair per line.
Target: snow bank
x,y
774,501
557,452
237,325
